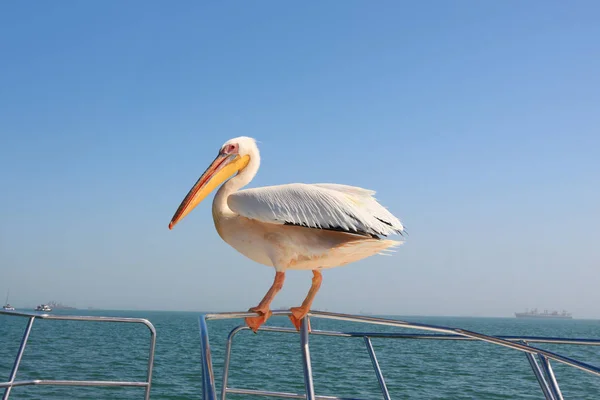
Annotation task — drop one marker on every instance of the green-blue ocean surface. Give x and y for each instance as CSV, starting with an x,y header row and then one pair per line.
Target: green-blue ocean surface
x,y
413,369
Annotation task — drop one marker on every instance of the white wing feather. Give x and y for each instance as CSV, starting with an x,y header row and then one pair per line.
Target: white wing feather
x,y
326,206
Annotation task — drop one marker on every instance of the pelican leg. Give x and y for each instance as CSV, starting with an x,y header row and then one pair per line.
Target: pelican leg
x,y
263,308
300,312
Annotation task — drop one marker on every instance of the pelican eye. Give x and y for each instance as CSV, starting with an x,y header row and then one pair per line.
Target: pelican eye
x,y
230,149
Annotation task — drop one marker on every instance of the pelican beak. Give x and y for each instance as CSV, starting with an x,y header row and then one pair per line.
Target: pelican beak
x,y
221,169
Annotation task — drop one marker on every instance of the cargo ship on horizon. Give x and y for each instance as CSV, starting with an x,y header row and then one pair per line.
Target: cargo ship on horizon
x,y
549,315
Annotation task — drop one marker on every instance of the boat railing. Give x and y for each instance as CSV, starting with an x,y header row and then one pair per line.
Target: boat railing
x,y
13,382
539,359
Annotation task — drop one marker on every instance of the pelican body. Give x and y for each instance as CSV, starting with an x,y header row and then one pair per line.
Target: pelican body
x,y
294,226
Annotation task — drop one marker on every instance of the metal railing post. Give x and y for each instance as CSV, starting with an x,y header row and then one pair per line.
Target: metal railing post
x,y
308,376
228,360
15,368
208,377
382,385
539,375
552,382
150,360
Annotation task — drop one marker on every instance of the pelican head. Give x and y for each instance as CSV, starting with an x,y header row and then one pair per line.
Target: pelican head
x,y
233,157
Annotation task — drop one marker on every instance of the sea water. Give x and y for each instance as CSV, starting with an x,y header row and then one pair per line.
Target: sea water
x,y
413,369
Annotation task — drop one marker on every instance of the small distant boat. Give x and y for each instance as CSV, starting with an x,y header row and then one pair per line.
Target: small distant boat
x,y
547,315
59,306
43,307
7,306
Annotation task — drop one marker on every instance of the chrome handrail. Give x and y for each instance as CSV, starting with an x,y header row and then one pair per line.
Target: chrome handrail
x,y
12,382
542,371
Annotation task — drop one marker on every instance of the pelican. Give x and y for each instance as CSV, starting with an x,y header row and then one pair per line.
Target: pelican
x,y
295,226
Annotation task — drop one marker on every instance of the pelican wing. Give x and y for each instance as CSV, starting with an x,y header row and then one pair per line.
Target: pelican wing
x,y
323,206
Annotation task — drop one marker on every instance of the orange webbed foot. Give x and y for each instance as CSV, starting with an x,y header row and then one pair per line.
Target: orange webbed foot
x,y
255,322
298,313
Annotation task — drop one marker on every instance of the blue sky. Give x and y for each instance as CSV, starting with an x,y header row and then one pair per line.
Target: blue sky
x,y
476,122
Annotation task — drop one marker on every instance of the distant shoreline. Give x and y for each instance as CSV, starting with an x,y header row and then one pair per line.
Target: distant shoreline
x,y
384,315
